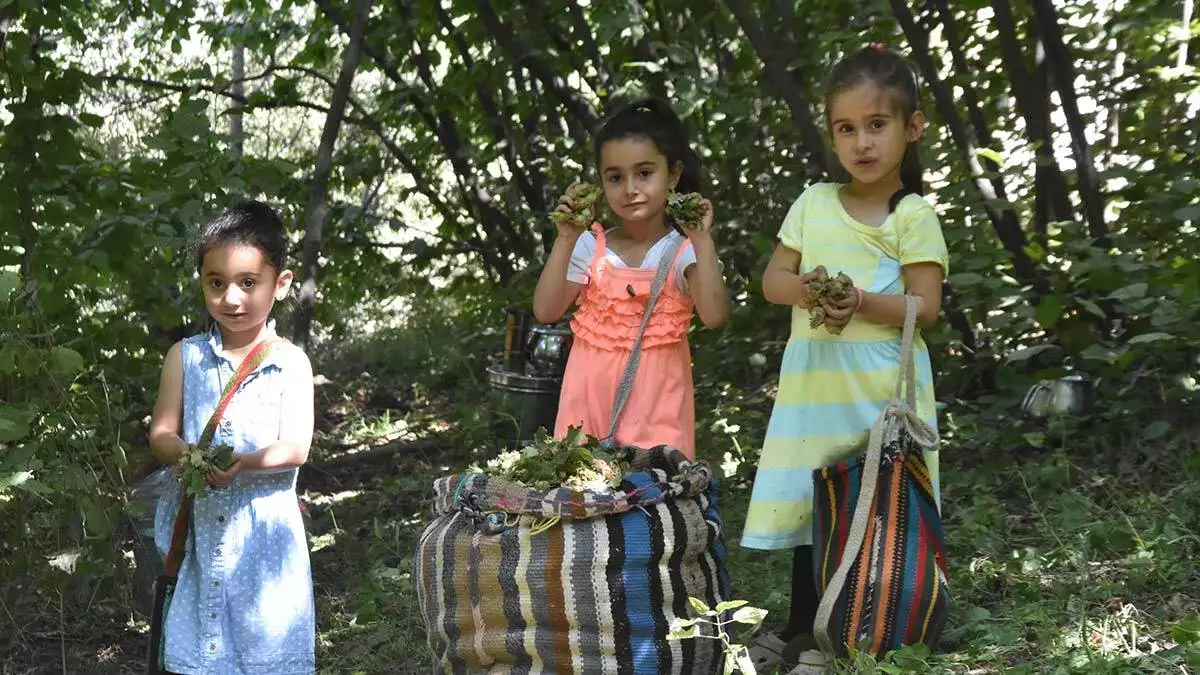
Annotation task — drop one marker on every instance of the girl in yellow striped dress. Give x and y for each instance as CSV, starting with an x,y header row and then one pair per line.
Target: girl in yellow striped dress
x,y
874,226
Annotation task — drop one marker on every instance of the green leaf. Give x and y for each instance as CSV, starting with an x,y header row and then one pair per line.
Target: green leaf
x,y
684,632
648,66
965,279
19,456
1049,311
1150,337
96,518
750,615
1186,632
731,604
699,607
1101,353
14,424
1091,307
1130,292
65,360
745,663
14,479
92,120
1189,212
9,282
1030,352
1156,430
988,153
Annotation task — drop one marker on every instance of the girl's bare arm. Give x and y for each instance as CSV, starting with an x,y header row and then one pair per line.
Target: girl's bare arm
x,y
166,420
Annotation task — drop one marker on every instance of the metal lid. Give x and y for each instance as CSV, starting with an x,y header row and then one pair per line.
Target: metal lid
x,y
499,377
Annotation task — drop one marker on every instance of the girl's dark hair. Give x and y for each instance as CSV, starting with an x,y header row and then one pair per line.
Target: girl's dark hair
x,y
653,119
246,223
895,75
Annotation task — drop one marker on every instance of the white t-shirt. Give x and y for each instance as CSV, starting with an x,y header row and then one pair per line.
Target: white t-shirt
x,y
585,249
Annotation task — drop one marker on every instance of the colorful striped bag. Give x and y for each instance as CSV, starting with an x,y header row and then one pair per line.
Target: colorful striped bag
x,y
515,581
879,547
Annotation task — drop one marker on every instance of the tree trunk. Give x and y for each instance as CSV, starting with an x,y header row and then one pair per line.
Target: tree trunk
x,y
958,56
525,56
316,213
499,263
656,80
785,84
1059,60
582,32
1186,31
547,28
1051,193
491,217
1004,219
26,144
499,130
238,87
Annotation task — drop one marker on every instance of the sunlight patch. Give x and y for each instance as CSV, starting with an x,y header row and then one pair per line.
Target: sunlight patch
x,y
336,497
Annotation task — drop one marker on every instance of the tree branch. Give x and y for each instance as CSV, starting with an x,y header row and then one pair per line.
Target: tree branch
x,y
656,81
582,32
316,213
785,84
1004,219
473,191
523,55
1061,66
499,131
1052,193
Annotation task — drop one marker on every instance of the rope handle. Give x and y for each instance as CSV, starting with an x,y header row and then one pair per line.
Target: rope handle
x,y
179,532
635,355
906,413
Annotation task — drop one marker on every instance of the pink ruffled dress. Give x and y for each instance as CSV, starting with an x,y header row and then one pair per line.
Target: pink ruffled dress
x,y
661,407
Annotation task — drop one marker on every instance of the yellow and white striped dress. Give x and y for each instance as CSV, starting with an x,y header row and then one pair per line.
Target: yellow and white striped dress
x,y
833,387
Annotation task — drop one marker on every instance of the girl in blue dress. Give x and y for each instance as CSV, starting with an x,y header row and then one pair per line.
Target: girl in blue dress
x,y
243,603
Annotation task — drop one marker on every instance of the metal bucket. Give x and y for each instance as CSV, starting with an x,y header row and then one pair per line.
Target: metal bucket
x,y
521,404
143,498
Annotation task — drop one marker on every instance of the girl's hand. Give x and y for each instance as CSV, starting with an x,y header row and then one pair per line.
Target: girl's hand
x,y
188,447
219,479
704,230
840,313
804,279
565,228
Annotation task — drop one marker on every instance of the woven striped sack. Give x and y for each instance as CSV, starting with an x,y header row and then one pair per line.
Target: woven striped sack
x,y
516,581
879,547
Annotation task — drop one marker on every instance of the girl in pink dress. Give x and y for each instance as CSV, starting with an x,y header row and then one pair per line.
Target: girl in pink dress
x,y
642,154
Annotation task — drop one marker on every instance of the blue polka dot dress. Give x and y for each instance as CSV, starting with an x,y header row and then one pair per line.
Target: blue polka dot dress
x,y
244,600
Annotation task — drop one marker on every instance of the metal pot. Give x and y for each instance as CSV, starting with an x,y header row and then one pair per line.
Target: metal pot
x,y
521,404
1070,396
547,349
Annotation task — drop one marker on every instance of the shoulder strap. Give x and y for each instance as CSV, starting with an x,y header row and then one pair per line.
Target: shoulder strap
x,y
660,276
179,533
902,410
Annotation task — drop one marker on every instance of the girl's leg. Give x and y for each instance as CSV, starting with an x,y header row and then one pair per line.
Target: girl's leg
x,y
804,595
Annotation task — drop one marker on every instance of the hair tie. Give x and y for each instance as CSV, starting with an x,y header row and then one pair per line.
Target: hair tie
x,y
877,46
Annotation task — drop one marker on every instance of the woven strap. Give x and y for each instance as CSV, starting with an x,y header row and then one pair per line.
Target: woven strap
x,y
902,409
635,355
179,533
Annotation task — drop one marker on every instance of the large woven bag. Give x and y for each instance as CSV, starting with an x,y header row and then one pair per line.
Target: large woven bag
x,y
879,546
512,580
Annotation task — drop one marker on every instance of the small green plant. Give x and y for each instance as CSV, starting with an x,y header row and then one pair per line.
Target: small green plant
x,y
737,656
195,465
575,461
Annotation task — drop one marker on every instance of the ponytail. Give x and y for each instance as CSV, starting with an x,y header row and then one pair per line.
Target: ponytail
x,y
910,176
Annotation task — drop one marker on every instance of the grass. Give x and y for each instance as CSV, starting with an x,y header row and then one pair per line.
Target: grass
x,y
1063,560
1072,550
